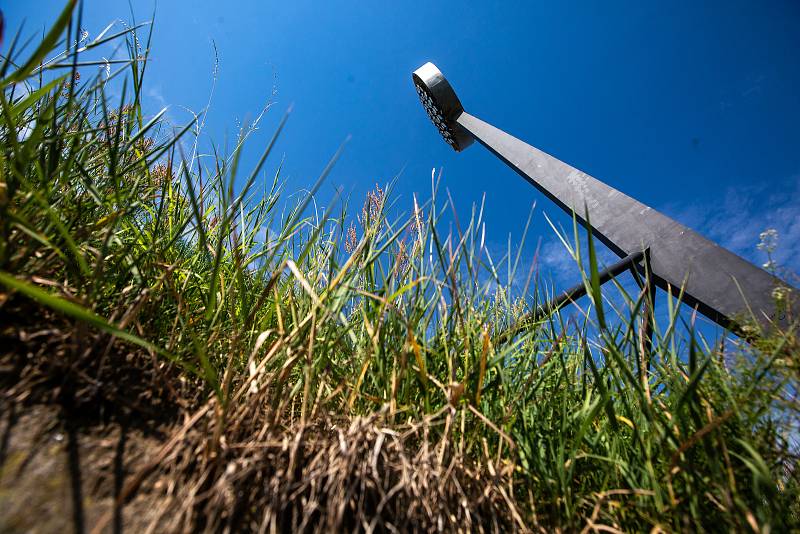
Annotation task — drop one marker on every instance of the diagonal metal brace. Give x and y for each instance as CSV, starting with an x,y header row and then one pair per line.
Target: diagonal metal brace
x,y
631,261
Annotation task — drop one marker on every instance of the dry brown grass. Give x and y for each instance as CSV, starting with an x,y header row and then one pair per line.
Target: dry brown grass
x,y
328,475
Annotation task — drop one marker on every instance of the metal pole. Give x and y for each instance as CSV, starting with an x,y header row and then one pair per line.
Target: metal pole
x,y
721,285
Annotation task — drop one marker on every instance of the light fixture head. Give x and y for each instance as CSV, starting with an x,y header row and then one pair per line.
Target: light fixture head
x,y
441,104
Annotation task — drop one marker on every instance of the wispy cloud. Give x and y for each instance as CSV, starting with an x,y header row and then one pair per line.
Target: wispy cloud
x,y
558,265
739,215
556,257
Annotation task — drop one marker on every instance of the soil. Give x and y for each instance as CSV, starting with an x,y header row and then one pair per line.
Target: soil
x,y
55,475
76,422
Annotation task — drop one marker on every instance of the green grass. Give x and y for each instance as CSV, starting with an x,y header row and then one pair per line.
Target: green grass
x,y
111,225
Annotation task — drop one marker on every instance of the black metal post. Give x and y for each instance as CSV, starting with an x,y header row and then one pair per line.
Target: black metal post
x,y
646,327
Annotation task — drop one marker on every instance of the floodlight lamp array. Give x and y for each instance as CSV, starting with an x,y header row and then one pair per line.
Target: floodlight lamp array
x,y
436,116
442,105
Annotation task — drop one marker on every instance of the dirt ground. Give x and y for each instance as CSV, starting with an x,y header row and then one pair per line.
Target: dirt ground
x,y
56,476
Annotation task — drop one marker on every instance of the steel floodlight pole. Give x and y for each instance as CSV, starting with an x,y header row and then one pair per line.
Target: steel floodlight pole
x,y
721,285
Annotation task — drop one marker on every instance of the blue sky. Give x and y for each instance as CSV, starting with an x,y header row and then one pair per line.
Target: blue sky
x,y
691,107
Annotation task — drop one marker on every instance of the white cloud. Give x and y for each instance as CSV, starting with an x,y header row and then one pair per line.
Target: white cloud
x,y
561,267
556,260
742,213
